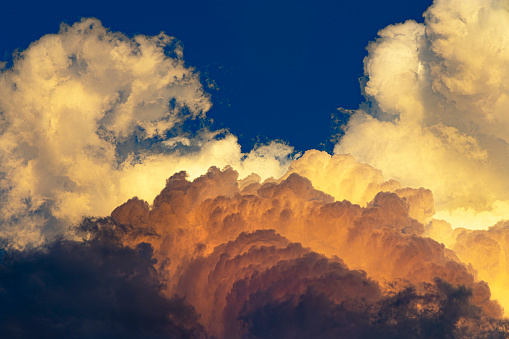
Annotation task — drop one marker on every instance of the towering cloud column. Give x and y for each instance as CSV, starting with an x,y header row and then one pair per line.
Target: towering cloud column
x,y
437,113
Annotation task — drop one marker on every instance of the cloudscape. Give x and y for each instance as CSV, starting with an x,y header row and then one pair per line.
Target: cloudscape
x,y
128,212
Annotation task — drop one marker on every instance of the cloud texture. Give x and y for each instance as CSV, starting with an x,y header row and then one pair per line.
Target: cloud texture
x,y
95,289
436,112
194,228
259,244
88,115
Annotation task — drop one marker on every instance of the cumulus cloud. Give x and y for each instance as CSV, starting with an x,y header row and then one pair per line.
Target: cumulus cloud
x,y
102,288
328,245
239,257
82,112
341,176
345,178
485,250
437,105
194,227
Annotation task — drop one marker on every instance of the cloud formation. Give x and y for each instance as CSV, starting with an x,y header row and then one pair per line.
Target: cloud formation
x,y
436,109
95,289
194,228
94,121
439,310
102,288
344,178
91,117
485,250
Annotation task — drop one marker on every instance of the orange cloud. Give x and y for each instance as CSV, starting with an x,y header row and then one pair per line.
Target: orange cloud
x,y
195,226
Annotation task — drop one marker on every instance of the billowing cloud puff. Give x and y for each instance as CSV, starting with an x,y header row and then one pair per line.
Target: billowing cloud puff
x,y
345,178
486,250
241,256
89,119
190,221
437,109
325,244
100,288
66,103
341,176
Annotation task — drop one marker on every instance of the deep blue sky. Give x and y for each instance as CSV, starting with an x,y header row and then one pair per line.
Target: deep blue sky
x,y
282,68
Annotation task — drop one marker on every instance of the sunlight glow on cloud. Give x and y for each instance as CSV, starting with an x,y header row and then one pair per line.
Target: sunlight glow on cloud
x,y
222,254
68,104
107,193
438,109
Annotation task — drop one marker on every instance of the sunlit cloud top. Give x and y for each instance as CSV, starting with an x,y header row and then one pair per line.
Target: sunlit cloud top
x,y
437,114
76,104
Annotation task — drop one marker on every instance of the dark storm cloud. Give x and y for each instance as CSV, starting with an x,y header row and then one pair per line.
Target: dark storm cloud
x,y
95,289
443,311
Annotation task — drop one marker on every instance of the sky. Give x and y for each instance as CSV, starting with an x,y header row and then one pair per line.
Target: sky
x,y
265,169
272,64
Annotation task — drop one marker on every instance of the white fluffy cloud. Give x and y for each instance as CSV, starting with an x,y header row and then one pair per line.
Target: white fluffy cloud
x,y
69,103
439,116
